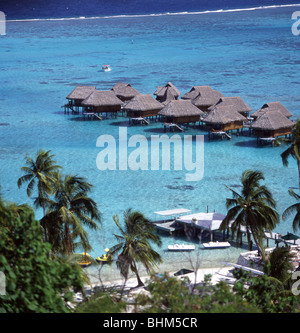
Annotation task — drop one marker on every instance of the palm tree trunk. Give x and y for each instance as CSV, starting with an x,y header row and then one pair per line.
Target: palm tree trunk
x,y
260,248
140,282
249,240
46,231
67,240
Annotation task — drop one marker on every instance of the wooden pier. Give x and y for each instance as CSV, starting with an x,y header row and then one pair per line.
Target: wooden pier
x,y
91,115
172,126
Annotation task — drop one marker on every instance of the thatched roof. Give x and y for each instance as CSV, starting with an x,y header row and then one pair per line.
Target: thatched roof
x,y
232,103
81,92
222,115
272,120
180,108
167,97
160,91
272,106
102,98
207,97
194,92
143,103
124,90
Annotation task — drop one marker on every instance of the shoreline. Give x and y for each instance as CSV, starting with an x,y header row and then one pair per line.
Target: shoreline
x,y
197,276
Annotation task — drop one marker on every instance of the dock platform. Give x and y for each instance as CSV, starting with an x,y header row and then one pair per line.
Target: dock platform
x,y
168,226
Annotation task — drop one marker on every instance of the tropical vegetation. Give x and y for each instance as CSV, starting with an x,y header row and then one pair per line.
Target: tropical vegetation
x,y
135,244
293,150
36,257
294,209
251,211
34,282
66,204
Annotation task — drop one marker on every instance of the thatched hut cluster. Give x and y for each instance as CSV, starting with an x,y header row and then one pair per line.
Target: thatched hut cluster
x,y
201,104
92,101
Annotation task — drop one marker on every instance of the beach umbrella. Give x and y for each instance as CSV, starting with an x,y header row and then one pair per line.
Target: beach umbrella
x,y
290,236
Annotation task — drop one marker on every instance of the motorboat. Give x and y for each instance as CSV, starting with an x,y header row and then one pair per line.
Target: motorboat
x,y
105,258
106,68
216,245
181,247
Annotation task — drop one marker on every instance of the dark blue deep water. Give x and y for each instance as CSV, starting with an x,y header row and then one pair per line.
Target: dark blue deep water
x,y
73,8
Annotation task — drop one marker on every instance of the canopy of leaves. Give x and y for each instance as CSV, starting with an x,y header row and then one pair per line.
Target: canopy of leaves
x,y
34,282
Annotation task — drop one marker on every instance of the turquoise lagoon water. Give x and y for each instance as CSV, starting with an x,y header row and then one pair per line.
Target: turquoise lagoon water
x,y
251,54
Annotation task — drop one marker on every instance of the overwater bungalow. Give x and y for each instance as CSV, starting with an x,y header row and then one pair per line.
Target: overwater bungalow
x,y
223,119
99,102
205,98
272,106
194,92
167,97
124,91
271,124
179,112
76,97
141,107
233,104
160,91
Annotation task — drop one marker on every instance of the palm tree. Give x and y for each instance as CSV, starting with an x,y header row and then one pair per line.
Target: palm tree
x,y
39,172
68,213
134,242
253,210
280,265
295,208
294,149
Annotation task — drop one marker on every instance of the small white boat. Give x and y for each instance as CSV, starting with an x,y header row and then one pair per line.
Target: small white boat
x,y
181,247
106,68
216,245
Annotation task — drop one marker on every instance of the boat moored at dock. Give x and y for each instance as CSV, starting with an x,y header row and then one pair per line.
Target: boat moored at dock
x,y
181,247
216,245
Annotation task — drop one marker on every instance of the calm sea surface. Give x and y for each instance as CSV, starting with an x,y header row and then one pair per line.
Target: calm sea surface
x,y
251,54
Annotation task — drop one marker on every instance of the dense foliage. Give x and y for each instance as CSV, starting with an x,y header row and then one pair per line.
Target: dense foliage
x,y
34,282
